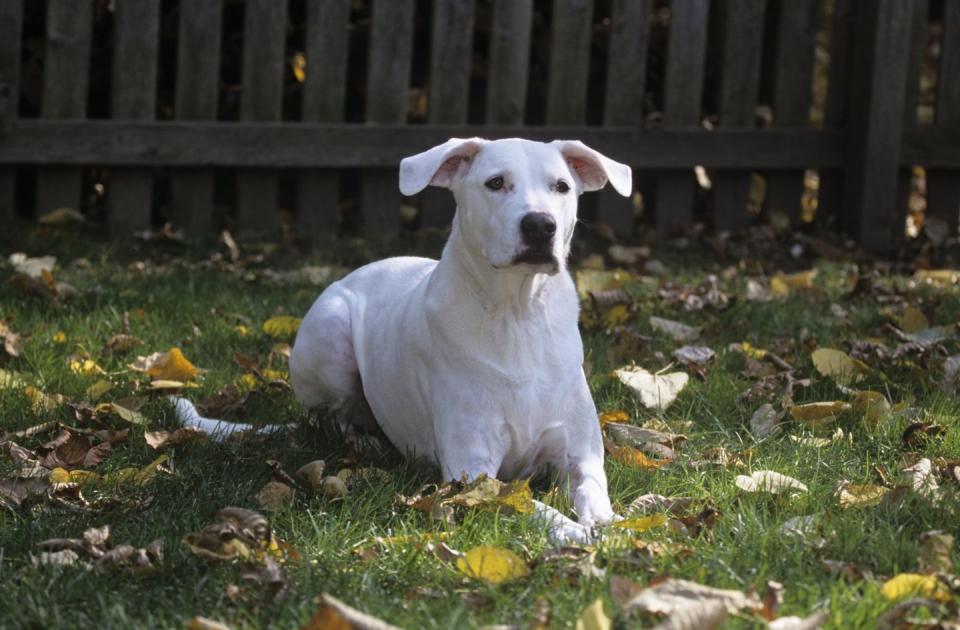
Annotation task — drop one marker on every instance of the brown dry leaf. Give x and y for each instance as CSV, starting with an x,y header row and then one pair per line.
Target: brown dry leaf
x,y
185,435
654,443
312,474
691,605
119,344
335,615
97,550
202,623
919,433
629,456
819,415
20,491
492,564
936,549
72,450
275,495
766,421
166,366
678,331
240,534
491,493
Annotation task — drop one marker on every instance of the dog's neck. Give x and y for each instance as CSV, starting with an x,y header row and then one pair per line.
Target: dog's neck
x,y
498,291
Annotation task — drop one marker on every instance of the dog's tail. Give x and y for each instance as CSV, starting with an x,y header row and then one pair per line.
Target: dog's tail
x,y
218,430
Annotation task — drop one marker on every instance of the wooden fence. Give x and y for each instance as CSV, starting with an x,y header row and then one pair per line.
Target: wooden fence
x,y
635,79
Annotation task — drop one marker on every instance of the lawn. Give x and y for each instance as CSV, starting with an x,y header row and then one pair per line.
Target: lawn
x,y
870,519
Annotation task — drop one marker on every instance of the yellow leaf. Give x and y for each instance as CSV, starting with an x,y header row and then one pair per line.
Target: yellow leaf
x,y
492,564
173,367
617,415
643,523
616,315
247,381
752,352
819,414
871,406
913,584
281,326
938,276
861,495
913,320
241,330
96,391
41,402
838,365
59,337
589,280
85,367
593,617
784,284
299,65
59,475
491,493
629,456
147,473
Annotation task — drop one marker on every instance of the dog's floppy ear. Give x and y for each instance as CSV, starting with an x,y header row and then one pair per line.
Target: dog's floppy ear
x,y
595,169
437,166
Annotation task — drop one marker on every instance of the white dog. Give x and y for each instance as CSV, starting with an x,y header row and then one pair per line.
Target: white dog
x,y
473,361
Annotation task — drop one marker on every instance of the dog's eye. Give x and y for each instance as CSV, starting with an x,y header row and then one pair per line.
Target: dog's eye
x,y
494,183
562,187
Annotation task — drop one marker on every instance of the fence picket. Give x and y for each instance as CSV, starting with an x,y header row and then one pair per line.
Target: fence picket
x,y
388,80
623,105
569,61
137,34
324,90
792,95
943,187
264,36
198,72
450,56
65,82
509,61
11,20
875,134
830,194
683,92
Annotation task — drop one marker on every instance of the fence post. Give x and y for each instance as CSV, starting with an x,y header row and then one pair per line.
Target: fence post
x,y
264,36
388,81
65,82
450,54
198,72
943,187
683,92
740,80
626,77
509,61
137,35
324,92
875,134
11,18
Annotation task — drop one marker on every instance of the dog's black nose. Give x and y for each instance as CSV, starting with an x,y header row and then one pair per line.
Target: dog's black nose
x,y
537,228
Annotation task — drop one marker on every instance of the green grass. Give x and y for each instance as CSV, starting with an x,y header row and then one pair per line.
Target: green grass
x,y
197,307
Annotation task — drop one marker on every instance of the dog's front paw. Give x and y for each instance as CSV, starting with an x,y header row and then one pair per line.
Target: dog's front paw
x,y
593,509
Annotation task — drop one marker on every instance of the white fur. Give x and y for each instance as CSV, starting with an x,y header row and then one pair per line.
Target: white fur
x,y
474,361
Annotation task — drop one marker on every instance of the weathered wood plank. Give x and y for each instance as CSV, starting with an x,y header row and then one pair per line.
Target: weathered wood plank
x,y
11,21
264,36
137,36
282,145
623,104
198,85
943,187
509,61
570,34
918,45
830,194
324,92
875,134
450,56
792,94
740,78
388,80
683,93
65,82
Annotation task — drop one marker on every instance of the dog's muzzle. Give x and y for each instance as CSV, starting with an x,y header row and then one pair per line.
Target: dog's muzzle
x,y
538,230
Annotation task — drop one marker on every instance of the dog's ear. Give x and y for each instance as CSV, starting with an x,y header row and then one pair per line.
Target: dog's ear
x,y
437,166
595,169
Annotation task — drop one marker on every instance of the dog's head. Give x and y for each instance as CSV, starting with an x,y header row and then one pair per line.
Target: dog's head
x,y
516,199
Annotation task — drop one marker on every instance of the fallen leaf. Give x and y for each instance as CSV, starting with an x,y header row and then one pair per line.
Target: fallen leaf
x,y
643,523
912,320
697,355
676,330
491,493
613,416
168,366
766,421
120,344
593,617
838,365
589,281
872,407
275,495
818,415
97,391
691,605
184,435
96,549
629,456
61,217
912,585
240,534
918,433
785,284
10,339
769,481
937,276
492,564
32,267
312,473
72,450
20,491
921,478
335,615
656,391
84,367
11,380
281,326
124,413
855,495
202,623
936,549
814,622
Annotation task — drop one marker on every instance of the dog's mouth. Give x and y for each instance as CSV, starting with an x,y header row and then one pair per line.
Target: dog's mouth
x,y
536,257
